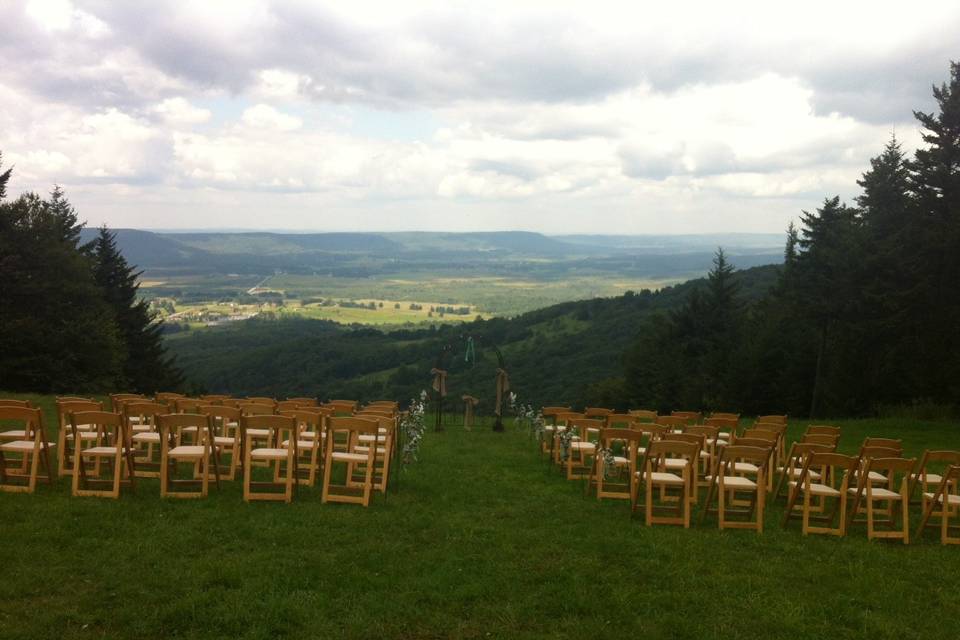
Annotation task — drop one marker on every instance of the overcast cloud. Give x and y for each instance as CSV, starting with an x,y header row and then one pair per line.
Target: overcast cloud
x,y
580,117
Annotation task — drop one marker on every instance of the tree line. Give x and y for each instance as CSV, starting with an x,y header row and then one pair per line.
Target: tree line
x,y
865,314
70,317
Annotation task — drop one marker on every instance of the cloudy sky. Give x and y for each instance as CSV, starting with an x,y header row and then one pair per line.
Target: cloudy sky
x,y
583,117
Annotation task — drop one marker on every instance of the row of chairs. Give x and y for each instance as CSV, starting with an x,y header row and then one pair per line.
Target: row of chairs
x,y
144,437
661,464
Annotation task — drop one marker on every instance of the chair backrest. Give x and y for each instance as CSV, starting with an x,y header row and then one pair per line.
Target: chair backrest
x,y
690,438
660,449
220,415
761,434
276,425
691,417
822,430
146,411
342,406
892,468
596,412
763,442
75,399
256,408
772,419
308,420
725,416
673,422
837,461
582,425
118,399
566,416
31,418
261,400
731,454
393,404
66,407
620,420
551,412
107,425
888,443
168,423
725,423
287,405
644,415
187,405
167,396
214,398
817,438
707,431
304,401
10,402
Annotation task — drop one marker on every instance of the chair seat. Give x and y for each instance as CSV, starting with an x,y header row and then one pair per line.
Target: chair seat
x,y
659,477
819,489
16,434
100,451
147,436
223,440
258,433
878,493
20,445
313,434
796,471
745,467
620,460
269,454
583,446
302,444
952,498
140,428
188,451
874,476
932,478
368,438
344,456
675,463
733,482
188,429
362,449
84,435
724,435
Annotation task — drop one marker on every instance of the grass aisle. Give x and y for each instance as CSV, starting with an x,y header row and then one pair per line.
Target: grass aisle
x,y
483,540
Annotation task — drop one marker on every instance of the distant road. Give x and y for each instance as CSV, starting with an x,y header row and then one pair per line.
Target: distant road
x,y
253,290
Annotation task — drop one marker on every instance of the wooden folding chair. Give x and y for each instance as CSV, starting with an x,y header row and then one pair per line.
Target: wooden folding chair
x,y
727,483
792,468
945,502
927,477
342,407
771,419
895,494
682,479
550,421
581,447
260,437
689,417
226,435
202,457
311,428
65,433
562,422
214,398
110,445
596,413
711,444
167,397
643,415
822,430
277,428
615,481
118,399
727,425
13,402
140,420
352,428
386,434
32,449
816,481
773,439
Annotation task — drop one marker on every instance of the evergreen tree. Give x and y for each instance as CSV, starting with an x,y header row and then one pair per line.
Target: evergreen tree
x,y
4,178
57,334
146,366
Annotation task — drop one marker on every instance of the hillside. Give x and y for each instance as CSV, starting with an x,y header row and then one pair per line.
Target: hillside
x,y
552,354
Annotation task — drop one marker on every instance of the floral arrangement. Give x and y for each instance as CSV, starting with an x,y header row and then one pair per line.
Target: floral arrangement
x,y
413,425
609,462
526,415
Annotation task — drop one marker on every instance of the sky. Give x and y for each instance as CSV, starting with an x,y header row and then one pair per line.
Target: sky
x,y
597,117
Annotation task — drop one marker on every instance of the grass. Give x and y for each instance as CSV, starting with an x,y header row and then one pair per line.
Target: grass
x,y
483,539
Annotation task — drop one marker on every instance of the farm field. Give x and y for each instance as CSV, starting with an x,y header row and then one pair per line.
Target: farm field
x,y
483,539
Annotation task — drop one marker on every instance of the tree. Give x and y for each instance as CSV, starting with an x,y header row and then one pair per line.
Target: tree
x,y
57,333
146,366
4,178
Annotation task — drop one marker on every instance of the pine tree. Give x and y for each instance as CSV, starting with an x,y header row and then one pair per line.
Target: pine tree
x,y
146,366
4,178
57,334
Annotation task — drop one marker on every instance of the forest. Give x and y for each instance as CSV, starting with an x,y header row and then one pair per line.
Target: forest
x,y
860,319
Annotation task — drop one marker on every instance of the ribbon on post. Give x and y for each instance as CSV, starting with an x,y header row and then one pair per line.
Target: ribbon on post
x,y
503,386
469,403
439,381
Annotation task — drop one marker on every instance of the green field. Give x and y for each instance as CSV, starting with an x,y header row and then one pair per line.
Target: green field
x,y
483,539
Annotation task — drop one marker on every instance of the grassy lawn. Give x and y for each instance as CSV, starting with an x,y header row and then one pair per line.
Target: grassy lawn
x,y
483,539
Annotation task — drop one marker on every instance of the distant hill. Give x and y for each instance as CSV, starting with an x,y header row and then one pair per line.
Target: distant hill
x,y
553,354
